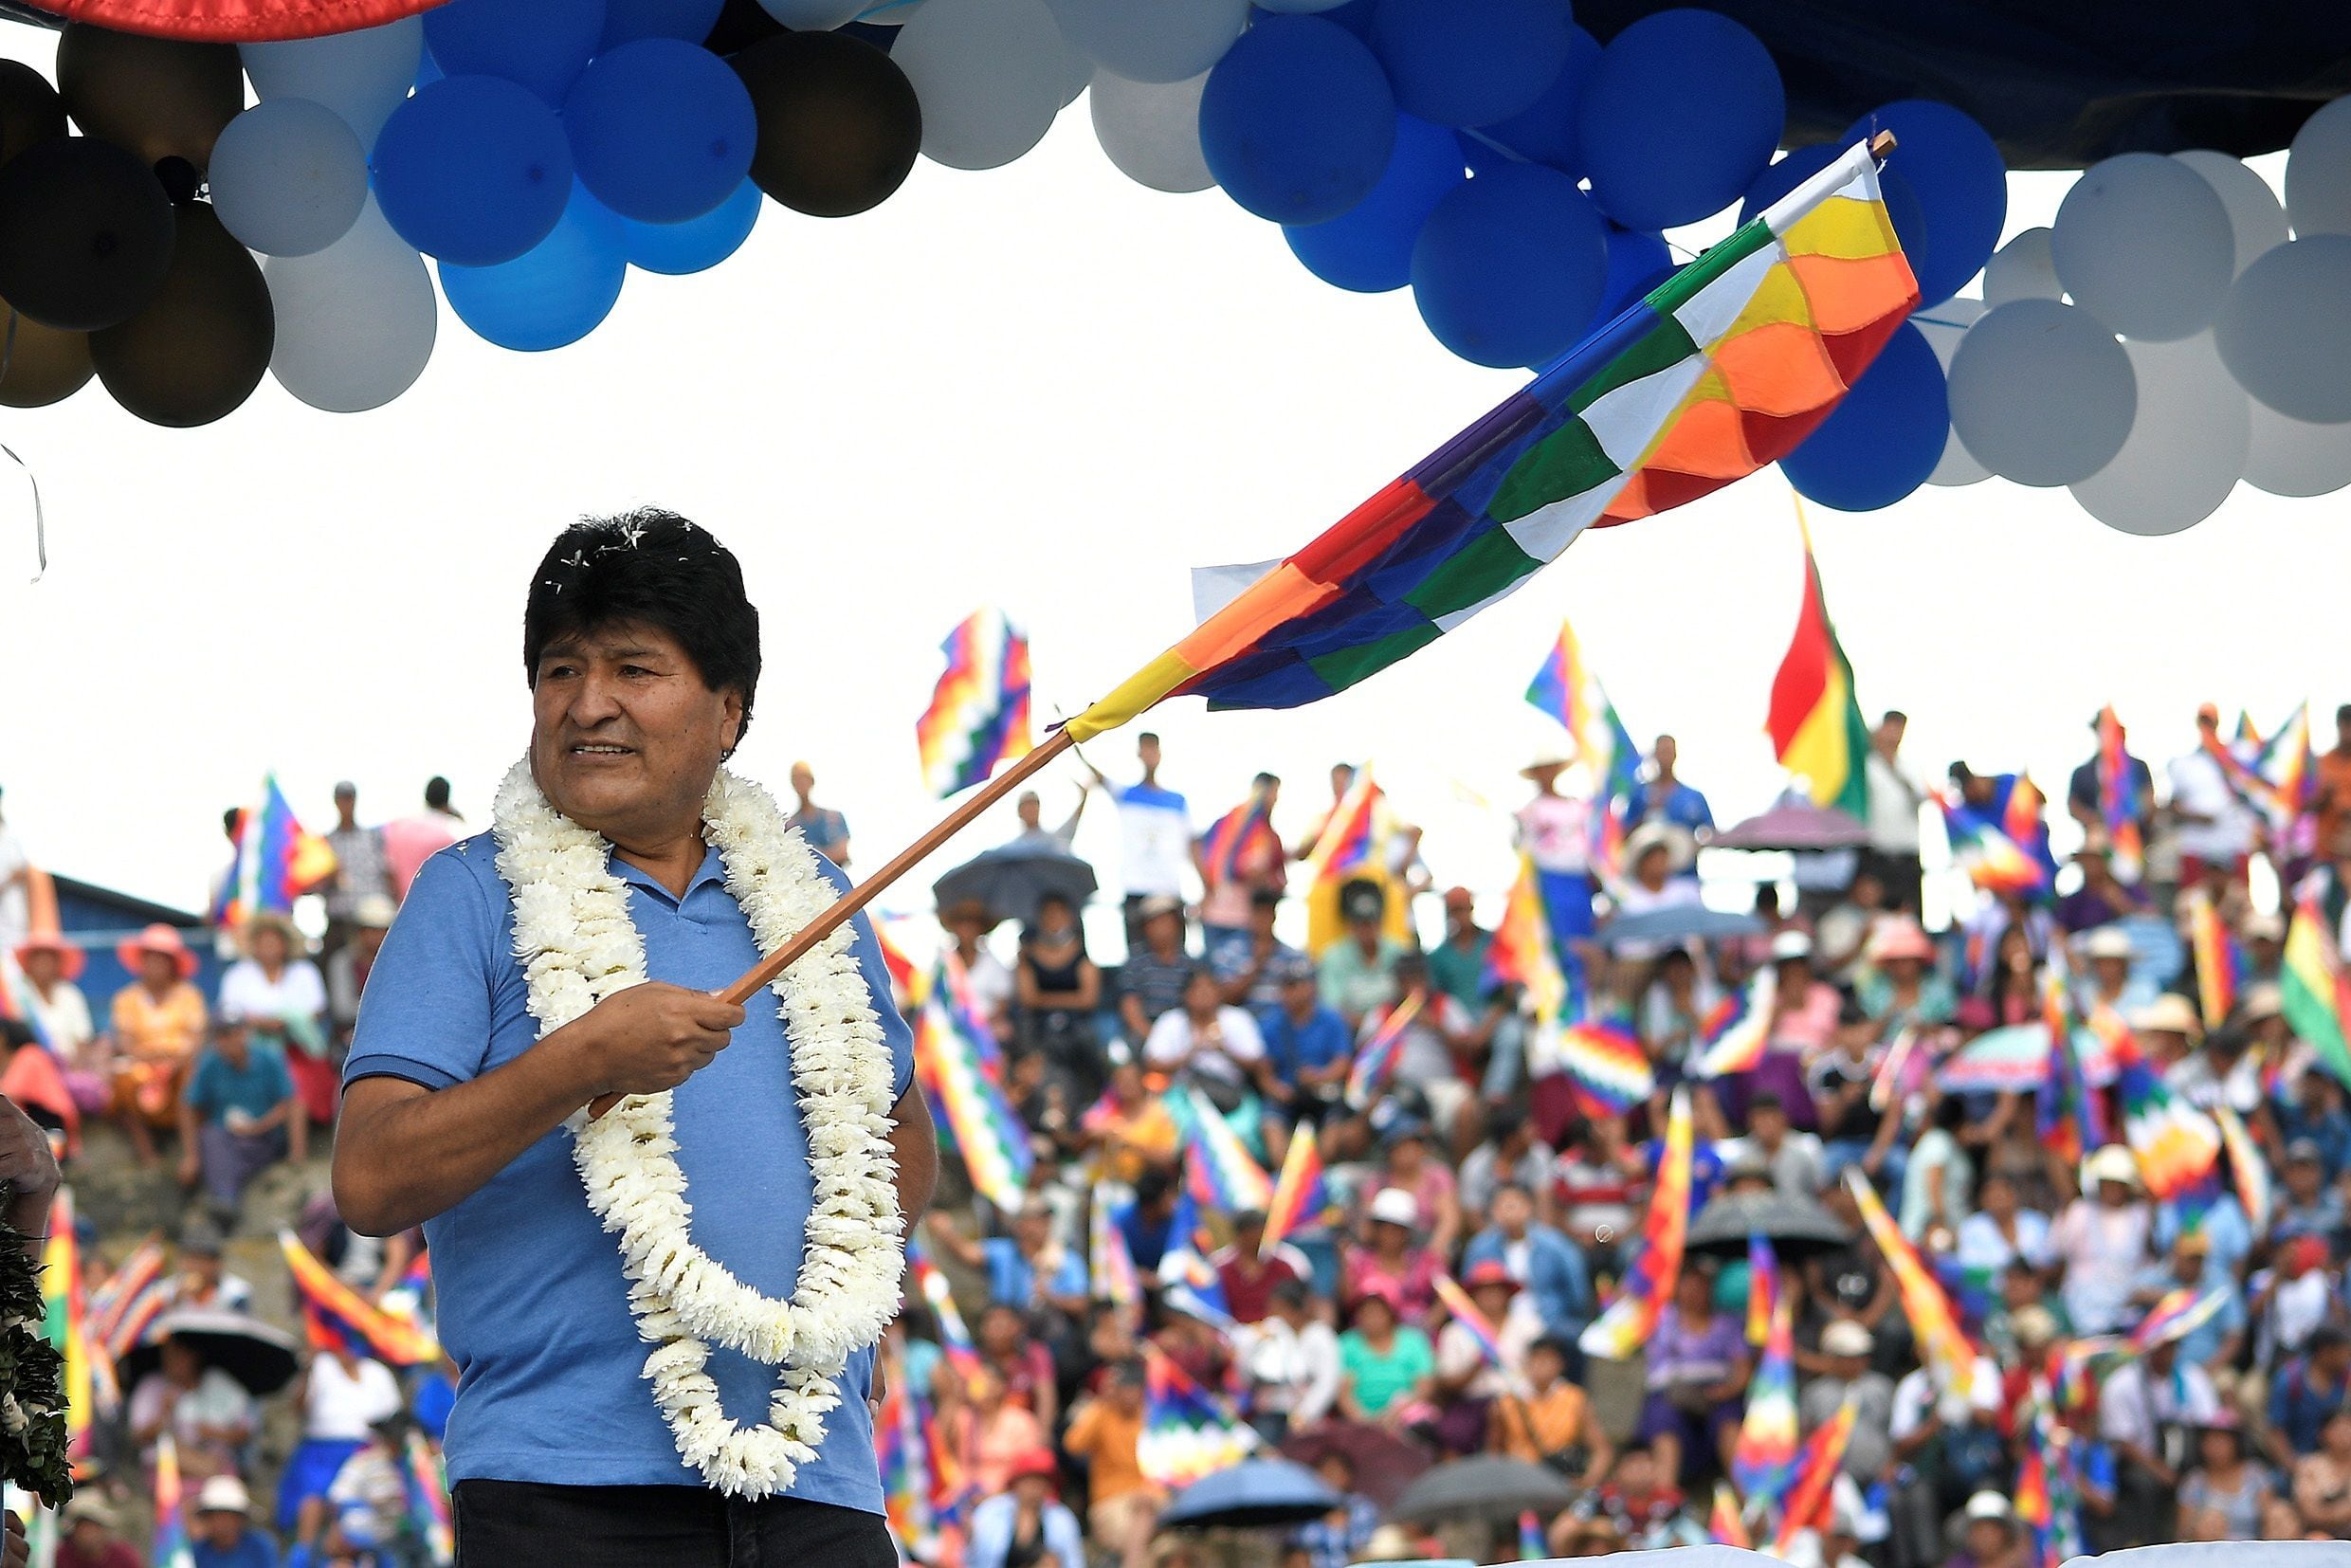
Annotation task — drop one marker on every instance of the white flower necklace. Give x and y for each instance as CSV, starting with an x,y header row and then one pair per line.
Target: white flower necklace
x,y
578,945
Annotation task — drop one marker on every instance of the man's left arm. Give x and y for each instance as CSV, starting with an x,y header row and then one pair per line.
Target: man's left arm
x,y
914,1144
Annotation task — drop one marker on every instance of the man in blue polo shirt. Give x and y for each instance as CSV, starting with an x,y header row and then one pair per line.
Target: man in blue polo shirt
x,y
642,654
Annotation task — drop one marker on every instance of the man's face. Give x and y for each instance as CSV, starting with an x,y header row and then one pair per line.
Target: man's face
x,y
2187,1266
1891,732
625,734
220,1527
1300,996
346,805
803,778
1667,754
41,967
1512,1211
1769,1124
234,1047
1147,753
1342,777
1030,808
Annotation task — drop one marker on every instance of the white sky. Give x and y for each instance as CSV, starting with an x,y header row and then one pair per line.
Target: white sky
x,y
1047,388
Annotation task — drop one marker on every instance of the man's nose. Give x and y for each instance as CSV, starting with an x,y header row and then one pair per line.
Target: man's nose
x,y
595,699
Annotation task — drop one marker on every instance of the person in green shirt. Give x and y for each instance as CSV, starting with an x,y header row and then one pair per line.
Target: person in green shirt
x,y
1385,1364
1458,963
1359,970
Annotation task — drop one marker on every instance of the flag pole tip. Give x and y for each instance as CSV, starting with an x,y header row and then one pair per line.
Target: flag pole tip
x,y
1881,144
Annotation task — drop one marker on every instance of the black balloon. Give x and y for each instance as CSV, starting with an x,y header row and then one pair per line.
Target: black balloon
x,y
85,233
39,365
741,24
839,125
202,345
160,96
30,110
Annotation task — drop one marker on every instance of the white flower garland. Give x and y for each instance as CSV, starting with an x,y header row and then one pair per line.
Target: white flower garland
x,y
578,945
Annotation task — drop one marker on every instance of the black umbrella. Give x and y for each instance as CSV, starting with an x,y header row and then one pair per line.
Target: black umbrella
x,y
1009,881
1489,1488
1795,1226
1256,1493
1679,923
261,1357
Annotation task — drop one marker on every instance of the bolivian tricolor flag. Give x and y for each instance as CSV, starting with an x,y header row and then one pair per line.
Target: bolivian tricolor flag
x,y
1815,724
1725,367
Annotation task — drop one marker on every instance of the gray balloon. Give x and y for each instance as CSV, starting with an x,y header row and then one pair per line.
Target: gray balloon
x,y
2143,242
2318,173
2041,393
2022,270
362,76
989,74
289,178
1944,326
1152,131
1153,40
2187,444
2291,457
2255,219
355,322
2286,331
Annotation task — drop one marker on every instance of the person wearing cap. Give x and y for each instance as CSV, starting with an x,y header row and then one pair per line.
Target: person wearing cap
x,y
1394,1257
2228,1493
2308,1205
158,1023
2102,1240
90,1539
278,994
361,868
239,1115
1555,831
1989,1535
2214,827
1151,981
1026,1527
222,1528
1359,970
1845,1348
1308,1042
1385,1365
1698,1367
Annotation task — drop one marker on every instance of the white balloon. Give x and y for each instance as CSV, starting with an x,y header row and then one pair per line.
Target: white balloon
x,y
2318,173
2255,219
2022,270
362,76
1077,72
2187,443
2041,393
355,322
2290,456
1153,40
1943,326
1152,131
289,178
2144,242
989,74
2286,331
813,15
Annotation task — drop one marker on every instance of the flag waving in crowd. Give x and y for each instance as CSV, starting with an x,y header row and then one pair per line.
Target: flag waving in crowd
x,y
978,715
1619,1332
1815,722
278,861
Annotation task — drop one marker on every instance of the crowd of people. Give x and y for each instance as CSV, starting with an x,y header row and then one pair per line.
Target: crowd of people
x,y
1477,1159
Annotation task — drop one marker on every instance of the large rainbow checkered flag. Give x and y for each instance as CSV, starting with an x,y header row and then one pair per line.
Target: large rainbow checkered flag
x,y
978,715
1724,368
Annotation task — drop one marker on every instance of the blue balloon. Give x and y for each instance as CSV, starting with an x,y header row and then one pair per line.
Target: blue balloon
x,y
1785,176
472,170
1369,248
1954,186
1544,131
1885,438
697,244
1511,266
1470,62
555,293
660,131
542,44
1297,121
1357,16
1683,110
1637,263
626,21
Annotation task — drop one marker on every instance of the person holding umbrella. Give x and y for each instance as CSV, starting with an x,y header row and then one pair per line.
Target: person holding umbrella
x,y
209,1412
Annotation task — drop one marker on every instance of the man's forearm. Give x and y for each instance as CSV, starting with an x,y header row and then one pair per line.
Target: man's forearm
x,y
914,1142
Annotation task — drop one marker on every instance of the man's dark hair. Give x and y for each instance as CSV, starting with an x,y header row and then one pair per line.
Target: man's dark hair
x,y
1263,780
656,568
1894,716
437,793
2343,714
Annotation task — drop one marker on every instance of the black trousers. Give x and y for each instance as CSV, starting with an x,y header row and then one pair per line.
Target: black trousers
x,y
531,1524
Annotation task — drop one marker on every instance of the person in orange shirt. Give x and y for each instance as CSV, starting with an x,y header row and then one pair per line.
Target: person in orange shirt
x,y
1130,1125
1554,1418
1106,1432
158,1022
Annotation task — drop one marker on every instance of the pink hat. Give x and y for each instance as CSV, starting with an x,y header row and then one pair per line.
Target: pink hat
x,y
1901,938
162,938
69,957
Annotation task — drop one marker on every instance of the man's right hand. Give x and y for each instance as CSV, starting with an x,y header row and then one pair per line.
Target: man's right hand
x,y
652,1037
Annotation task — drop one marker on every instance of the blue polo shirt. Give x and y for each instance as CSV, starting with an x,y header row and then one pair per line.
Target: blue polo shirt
x,y
533,1304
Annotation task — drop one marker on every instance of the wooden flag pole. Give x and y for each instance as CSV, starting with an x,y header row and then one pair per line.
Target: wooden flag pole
x,y
763,974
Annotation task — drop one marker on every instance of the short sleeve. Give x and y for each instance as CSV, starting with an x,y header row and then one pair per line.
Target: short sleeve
x,y
425,1015
1169,1035
1243,1041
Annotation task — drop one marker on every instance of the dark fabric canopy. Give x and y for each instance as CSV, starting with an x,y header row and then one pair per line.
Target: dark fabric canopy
x,y
1794,825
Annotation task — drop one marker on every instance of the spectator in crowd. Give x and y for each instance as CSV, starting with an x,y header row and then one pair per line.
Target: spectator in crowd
x,y
278,994
2214,829
1249,1274
209,1414
2227,1496
825,830
1359,970
1468,1385
1206,1044
1308,1044
1989,1537
223,1530
1539,1256
1246,863
1895,793
1251,969
1457,964
1028,1524
361,869
1555,830
1056,993
2102,898
239,1116
1391,1260
342,1394
1340,1537
967,923
59,1015
2101,1240
1034,836
158,1023
1663,797
2307,1392
91,1540
1155,838
1698,1368
2085,790
2322,1479
1029,1269
1289,1360
1122,1505
411,841
985,1429
1552,1422
1387,1367
1846,1377
347,966
1511,1153
1151,981
204,1280
2147,1411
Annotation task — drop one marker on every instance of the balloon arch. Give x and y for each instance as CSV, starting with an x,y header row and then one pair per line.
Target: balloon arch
x,y
2176,330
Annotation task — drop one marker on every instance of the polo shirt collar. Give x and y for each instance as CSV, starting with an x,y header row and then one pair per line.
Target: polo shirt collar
x,y
711,870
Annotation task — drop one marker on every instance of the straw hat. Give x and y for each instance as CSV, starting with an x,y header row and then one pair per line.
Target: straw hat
x,y
2264,1000
2113,1163
162,938
69,957
2107,942
91,1506
1548,759
269,920
1679,847
1394,1206
2170,1013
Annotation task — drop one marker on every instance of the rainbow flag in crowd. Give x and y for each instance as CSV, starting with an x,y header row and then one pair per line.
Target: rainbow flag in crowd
x,y
1814,721
1725,367
1620,1330
1242,837
2179,1314
2316,990
1521,952
169,1547
335,1317
1763,1288
1464,1311
1566,688
1812,1502
1607,1070
2247,1168
2004,845
2033,1508
1734,1034
1764,1459
1375,1059
1944,1348
2071,1119
1109,1265
1904,1072
1225,1178
1188,1281
957,1064
430,1515
2118,804
2221,964
1724,1526
116,1300
978,715
1301,1197
1352,835
1188,1432
2292,768
64,1322
2176,1145
278,859
903,1457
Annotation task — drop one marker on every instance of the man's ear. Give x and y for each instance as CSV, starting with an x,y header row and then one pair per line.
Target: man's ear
x,y
731,728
